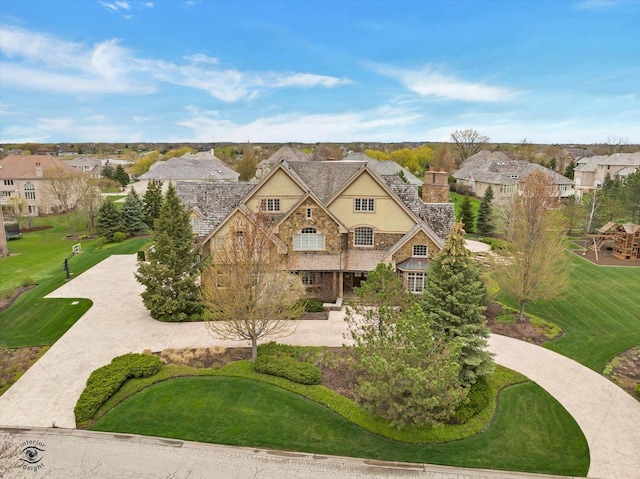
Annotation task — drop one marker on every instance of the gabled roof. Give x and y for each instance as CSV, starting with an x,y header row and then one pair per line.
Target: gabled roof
x,y
498,169
286,153
190,167
410,234
383,168
309,195
214,199
324,178
85,161
25,166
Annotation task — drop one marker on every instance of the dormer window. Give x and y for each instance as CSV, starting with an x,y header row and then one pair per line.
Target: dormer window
x,y
364,204
420,250
271,205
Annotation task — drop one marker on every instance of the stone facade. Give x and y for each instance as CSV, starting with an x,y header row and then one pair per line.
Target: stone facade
x,y
320,220
406,251
436,187
381,241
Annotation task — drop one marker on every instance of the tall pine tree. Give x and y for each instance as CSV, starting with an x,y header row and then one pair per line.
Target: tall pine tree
x,y
484,221
454,298
121,176
170,274
109,220
467,217
152,202
132,215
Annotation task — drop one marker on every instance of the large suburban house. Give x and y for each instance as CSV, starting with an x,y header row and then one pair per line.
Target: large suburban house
x,y
503,174
336,220
89,165
198,167
23,182
591,172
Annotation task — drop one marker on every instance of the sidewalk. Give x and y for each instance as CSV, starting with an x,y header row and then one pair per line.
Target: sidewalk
x,y
118,323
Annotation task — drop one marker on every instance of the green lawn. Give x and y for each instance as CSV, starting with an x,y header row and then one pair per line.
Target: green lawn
x,y
600,314
38,257
233,411
457,200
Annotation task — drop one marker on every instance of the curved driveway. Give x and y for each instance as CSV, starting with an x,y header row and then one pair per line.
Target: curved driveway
x,y
118,323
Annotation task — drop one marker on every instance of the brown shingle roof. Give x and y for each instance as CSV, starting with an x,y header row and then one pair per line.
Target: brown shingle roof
x,y
25,166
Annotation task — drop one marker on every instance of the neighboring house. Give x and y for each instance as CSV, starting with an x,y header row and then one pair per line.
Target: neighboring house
x,y
90,166
335,220
24,178
571,154
286,153
197,167
591,172
503,174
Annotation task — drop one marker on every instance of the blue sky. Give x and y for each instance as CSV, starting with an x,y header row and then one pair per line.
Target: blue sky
x,y
312,71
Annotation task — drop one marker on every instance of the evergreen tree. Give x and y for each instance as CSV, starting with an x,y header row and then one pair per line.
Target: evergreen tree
x,y
108,171
454,298
484,221
121,176
381,292
132,215
152,202
406,373
467,217
109,220
568,172
170,274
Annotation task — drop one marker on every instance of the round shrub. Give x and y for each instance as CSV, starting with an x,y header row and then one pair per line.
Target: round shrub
x,y
478,398
119,237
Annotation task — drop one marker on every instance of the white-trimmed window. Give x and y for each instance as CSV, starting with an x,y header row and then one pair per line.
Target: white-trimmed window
x,y
29,191
308,240
364,204
420,250
309,278
270,204
195,224
363,236
309,213
415,282
6,194
8,182
506,189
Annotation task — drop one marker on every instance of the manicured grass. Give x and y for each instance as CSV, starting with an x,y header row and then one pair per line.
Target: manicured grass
x,y
600,314
458,199
33,320
249,413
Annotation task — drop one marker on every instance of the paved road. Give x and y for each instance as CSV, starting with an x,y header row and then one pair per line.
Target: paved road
x,y
71,454
118,323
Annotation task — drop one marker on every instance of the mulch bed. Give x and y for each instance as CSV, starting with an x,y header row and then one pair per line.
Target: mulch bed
x,y
522,330
605,257
7,302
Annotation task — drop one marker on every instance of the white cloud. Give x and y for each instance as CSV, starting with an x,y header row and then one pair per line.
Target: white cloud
x,y
597,4
45,62
148,4
382,124
123,5
429,82
201,58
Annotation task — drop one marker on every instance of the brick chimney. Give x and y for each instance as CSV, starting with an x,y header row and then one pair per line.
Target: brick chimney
x,y
436,186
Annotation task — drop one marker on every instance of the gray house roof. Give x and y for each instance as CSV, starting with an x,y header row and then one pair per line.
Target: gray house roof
x,y
324,179
213,200
190,167
617,159
383,168
498,169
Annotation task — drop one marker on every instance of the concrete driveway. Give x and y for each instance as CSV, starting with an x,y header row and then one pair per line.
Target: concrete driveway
x,y
118,323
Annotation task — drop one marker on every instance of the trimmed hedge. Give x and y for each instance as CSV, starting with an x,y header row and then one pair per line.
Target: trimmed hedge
x,y
282,360
313,306
288,368
107,380
479,397
119,237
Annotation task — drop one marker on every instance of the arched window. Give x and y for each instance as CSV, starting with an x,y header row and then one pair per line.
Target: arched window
x,y
308,240
420,250
29,191
363,236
